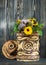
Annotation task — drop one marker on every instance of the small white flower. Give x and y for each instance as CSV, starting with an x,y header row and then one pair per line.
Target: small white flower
x,y
21,26
25,21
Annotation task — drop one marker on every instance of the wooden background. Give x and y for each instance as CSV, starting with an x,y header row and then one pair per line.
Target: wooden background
x,y
8,15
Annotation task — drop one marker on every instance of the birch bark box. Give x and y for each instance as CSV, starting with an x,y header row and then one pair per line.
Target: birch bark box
x,y
28,47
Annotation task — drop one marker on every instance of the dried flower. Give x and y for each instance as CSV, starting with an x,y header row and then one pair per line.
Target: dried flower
x,y
21,26
28,30
18,21
25,21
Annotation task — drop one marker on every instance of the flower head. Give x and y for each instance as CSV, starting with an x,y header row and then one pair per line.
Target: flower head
x,y
18,21
20,26
28,30
25,21
33,21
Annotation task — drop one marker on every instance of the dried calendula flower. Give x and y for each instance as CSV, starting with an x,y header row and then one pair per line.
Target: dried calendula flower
x,y
28,30
34,22
18,21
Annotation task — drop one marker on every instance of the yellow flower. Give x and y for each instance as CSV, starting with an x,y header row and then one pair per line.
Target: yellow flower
x,y
28,30
34,23
32,19
18,21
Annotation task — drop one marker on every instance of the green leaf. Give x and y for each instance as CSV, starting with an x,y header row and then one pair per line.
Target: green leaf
x,y
40,32
35,28
41,25
15,27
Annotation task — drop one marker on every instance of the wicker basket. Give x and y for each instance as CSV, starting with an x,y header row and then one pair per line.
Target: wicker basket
x,y
28,47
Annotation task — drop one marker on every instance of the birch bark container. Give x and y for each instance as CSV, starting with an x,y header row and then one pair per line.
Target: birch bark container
x,y
28,47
